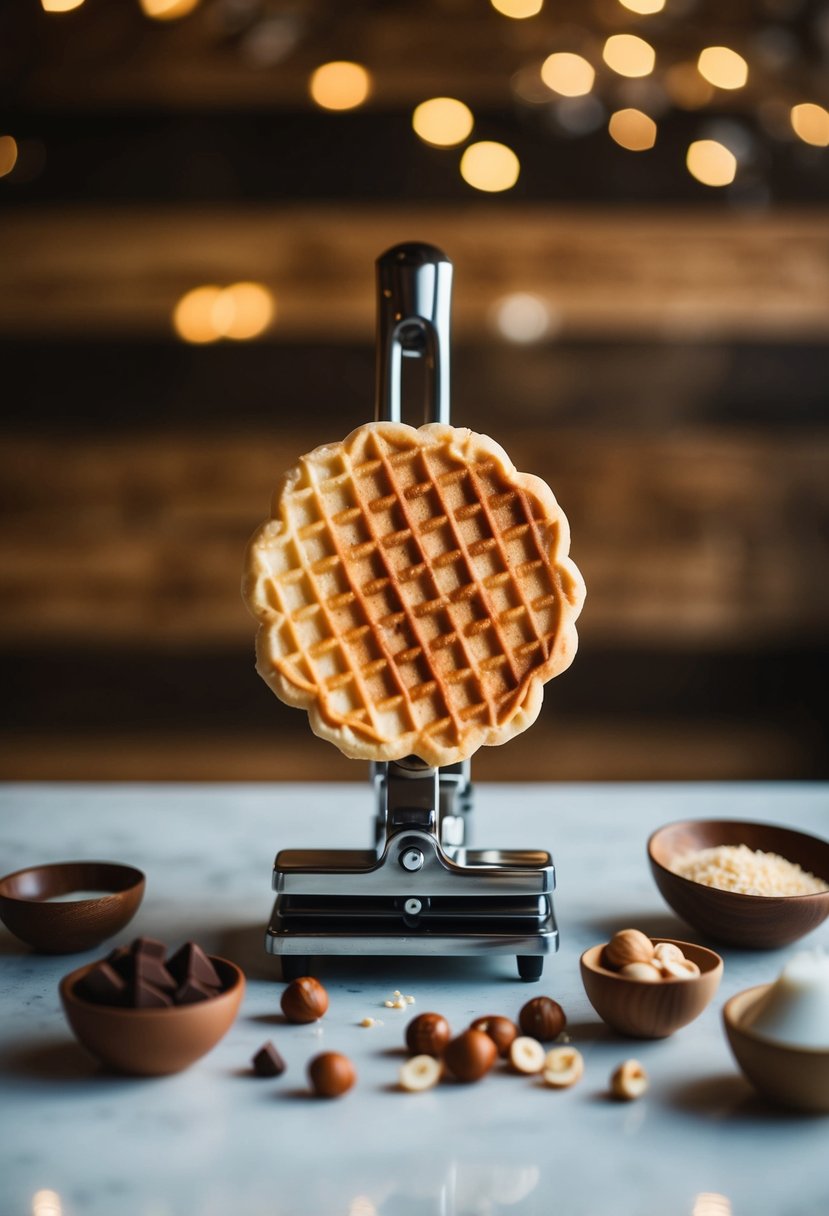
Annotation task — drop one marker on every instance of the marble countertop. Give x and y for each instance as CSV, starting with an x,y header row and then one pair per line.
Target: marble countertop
x,y
215,1141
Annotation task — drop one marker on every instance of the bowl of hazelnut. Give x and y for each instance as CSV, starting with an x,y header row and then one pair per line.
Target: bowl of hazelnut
x,y
648,988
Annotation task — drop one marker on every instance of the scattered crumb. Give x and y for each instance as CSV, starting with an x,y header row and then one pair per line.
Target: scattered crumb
x,y
370,1022
563,1037
409,1000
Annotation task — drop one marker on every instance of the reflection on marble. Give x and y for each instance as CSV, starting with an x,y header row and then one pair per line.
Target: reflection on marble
x,y
215,1141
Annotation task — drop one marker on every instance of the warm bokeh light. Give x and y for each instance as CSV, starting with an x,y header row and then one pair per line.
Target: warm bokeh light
x,y
711,1203
340,85
240,311
46,1203
521,317
490,166
811,123
243,311
443,121
711,163
633,130
568,74
8,154
686,88
629,55
194,315
519,9
168,10
60,6
722,67
645,8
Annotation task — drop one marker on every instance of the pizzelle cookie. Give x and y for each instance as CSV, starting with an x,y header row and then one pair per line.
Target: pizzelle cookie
x,y
414,592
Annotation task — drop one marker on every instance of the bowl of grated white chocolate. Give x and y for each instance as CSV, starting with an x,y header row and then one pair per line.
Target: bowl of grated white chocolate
x,y
755,885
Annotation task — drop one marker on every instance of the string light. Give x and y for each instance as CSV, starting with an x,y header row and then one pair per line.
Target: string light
x,y
811,123
633,130
46,1203
629,55
568,74
240,312
168,10
490,166
645,8
722,67
443,121
711,163
522,317
340,85
60,6
8,154
518,9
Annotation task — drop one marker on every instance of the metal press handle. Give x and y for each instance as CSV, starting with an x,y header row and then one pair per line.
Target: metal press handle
x,y
414,300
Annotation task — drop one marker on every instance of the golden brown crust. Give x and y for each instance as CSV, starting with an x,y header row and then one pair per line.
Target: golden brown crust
x,y
414,592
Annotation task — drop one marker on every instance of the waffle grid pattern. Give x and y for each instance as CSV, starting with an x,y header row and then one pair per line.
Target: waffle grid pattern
x,y
411,593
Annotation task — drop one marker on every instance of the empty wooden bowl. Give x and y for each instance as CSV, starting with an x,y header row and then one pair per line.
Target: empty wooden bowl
x,y
643,1010
71,925
758,922
791,1076
153,1042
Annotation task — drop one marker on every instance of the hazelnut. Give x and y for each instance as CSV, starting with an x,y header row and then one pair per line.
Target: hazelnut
x,y
304,1000
645,972
526,1054
563,1066
542,1018
501,1030
428,1034
679,969
331,1074
665,951
627,946
470,1056
629,1081
419,1073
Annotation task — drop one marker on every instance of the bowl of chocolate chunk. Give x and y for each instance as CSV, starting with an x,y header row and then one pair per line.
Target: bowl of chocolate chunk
x,y
65,907
145,1011
754,885
647,987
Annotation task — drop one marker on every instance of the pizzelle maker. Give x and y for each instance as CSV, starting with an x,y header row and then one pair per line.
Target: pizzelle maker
x,y
421,889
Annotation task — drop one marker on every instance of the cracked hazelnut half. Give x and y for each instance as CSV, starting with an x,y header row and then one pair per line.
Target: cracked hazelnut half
x,y
629,1081
563,1067
419,1073
526,1055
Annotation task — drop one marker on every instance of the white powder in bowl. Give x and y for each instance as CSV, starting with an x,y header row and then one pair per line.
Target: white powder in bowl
x,y
736,867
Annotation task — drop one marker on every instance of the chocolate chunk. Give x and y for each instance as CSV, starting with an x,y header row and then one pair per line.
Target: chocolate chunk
x,y
122,960
191,963
268,1062
148,996
192,991
104,986
151,970
150,947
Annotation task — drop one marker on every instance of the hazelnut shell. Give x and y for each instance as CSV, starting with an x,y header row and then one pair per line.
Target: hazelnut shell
x,y
304,1000
331,1074
428,1034
501,1030
542,1018
470,1056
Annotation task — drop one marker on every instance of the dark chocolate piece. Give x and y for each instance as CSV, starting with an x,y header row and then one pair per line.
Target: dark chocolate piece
x,y
104,986
192,991
268,1062
148,996
150,947
122,960
151,970
191,963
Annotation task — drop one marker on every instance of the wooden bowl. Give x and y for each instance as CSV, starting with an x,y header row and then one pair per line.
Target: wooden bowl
x,y
791,1076
153,1042
755,922
642,1010
81,924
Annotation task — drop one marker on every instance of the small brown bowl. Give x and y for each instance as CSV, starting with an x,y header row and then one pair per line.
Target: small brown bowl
x,y
153,1042
642,1010
791,1076
80,924
755,922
